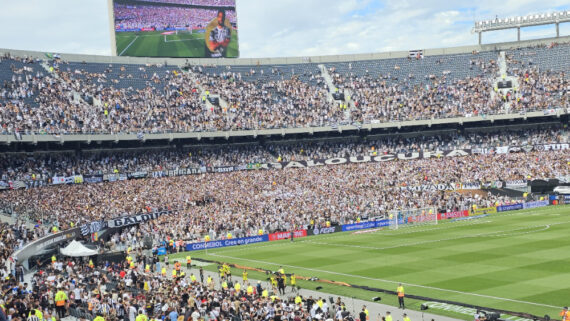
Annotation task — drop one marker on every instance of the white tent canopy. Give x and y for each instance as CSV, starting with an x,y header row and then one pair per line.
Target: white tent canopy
x,y
77,249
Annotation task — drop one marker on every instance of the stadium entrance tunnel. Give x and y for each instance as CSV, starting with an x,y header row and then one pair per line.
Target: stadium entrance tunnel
x,y
490,312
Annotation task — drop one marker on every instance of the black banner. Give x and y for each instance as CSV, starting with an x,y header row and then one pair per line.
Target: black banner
x,y
135,219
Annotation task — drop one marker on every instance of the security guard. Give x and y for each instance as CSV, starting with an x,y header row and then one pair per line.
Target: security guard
x,y
188,261
140,317
388,316
293,281
99,317
400,291
250,290
244,276
237,287
406,318
60,301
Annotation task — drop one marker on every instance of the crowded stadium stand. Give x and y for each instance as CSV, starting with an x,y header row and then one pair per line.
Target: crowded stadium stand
x,y
244,148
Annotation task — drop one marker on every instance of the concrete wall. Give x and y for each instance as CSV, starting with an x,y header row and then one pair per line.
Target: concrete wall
x,y
287,60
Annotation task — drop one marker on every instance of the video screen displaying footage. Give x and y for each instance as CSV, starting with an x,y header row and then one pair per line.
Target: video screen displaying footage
x,y
176,28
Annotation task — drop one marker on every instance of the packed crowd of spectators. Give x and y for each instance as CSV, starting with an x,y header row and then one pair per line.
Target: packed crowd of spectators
x,y
170,100
118,292
162,17
44,166
243,202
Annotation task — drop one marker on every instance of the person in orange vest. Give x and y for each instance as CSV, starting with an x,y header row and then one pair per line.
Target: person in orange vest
x,y
177,266
400,291
60,301
188,261
565,314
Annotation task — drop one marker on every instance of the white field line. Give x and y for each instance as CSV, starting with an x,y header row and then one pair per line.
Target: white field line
x,y
408,230
122,52
490,234
383,280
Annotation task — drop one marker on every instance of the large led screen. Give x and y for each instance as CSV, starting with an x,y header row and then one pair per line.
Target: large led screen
x,y
176,28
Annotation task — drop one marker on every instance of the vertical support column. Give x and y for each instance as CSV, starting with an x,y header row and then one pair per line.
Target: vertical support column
x,y
479,37
518,33
557,29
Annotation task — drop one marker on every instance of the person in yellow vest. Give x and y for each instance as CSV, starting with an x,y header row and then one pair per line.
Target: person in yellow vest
x,y
147,268
388,316
173,273
366,312
281,270
91,265
99,317
293,281
320,303
53,259
129,250
193,278
249,290
60,301
400,291
129,259
38,313
273,281
209,280
237,287
141,316
244,276
163,271
273,298
224,285
188,261
265,293
298,300
406,318
222,272
132,265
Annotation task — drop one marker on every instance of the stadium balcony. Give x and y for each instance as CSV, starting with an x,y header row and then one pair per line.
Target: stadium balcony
x,y
158,99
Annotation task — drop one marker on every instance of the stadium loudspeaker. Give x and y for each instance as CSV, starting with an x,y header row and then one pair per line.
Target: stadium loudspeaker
x,y
424,307
376,298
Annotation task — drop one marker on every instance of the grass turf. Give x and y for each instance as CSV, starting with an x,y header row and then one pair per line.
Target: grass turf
x,y
517,260
153,44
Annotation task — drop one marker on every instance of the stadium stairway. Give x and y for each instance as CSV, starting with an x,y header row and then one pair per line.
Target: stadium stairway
x,y
328,81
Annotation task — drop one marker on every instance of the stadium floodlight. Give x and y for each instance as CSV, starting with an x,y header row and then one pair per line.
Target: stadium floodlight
x,y
522,21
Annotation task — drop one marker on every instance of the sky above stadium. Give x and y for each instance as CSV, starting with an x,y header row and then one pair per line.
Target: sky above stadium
x,y
280,28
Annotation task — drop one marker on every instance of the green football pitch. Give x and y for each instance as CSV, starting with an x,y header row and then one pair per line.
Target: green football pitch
x,y
154,44
517,261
